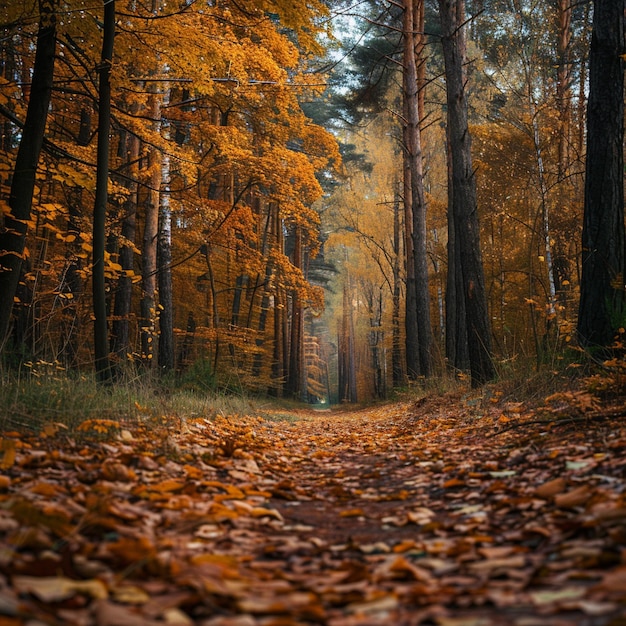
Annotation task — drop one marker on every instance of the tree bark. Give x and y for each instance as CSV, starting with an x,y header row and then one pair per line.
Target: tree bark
x,y
123,295
164,256
602,299
149,249
456,323
419,333
101,339
294,375
347,356
563,85
166,309
464,203
396,351
424,325
13,233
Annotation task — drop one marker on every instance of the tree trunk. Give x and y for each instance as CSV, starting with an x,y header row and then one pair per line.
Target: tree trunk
x,y
166,356
377,341
563,85
457,351
164,256
409,101
101,339
294,375
347,356
424,330
280,333
602,300
166,309
269,239
396,351
123,295
149,250
73,281
464,204
13,233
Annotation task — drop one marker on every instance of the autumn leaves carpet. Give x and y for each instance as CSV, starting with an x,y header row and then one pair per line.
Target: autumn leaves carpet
x,y
445,512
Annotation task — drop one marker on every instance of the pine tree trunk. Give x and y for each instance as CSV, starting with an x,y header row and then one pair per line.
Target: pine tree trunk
x,y
563,85
409,100
602,296
101,339
413,23
294,376
13,233
424,330
347,356
396,351
464,204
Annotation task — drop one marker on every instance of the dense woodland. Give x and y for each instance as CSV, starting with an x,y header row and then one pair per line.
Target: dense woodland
x,y
310,199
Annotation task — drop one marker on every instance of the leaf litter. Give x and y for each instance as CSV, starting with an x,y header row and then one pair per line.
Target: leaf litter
x,y
412,513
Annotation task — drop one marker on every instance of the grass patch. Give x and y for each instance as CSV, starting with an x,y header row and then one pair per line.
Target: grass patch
x,y
32,400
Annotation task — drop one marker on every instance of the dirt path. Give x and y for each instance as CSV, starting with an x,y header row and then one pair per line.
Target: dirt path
x,y
442,520
406,514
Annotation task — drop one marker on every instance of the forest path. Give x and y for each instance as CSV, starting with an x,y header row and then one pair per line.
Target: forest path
x,y
434,512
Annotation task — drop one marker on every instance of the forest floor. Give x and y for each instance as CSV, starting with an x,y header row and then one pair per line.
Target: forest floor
x,y
450,511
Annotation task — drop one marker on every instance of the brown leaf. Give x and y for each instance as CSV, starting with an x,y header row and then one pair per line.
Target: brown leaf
x,y
614,582
57,588
551,488
574,498
110,614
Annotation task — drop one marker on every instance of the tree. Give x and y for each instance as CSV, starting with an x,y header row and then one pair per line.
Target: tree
x,y
464,203
602,299
101,337
418,321
13,233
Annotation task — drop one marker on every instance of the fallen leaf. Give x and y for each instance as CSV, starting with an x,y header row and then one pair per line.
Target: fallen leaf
x,y
57,588
352,513
552,596
572,499
9,451
551,488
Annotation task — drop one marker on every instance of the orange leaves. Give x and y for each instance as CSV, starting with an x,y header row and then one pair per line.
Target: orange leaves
x,y
8,451
376,517
132,550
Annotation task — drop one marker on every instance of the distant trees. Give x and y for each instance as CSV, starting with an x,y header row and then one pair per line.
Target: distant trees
x,y
522,98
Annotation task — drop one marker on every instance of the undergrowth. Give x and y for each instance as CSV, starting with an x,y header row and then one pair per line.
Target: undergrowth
x,y
45,395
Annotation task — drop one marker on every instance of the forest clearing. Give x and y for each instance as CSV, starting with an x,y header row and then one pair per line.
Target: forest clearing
x,y
454,510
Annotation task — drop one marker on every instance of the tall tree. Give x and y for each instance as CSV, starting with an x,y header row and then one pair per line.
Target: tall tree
x,y
124,291
101,339
164,261
602,298
418,321
13,233
464,202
